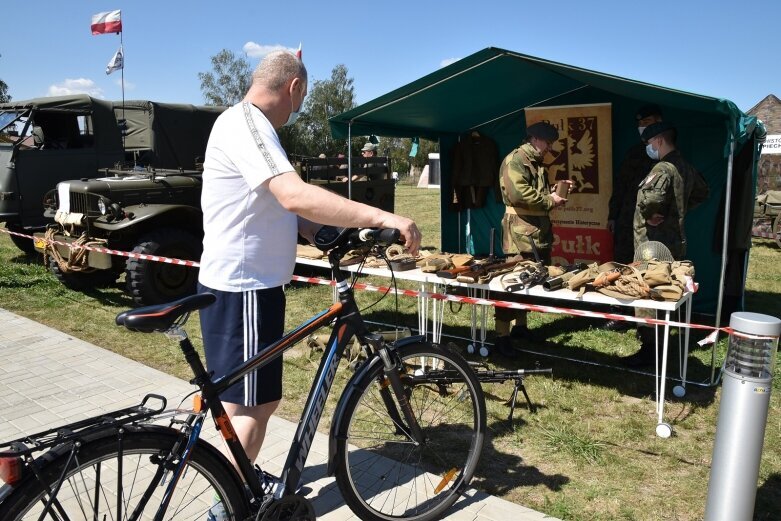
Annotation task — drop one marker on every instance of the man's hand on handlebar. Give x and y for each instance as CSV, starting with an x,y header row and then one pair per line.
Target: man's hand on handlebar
x,y
409,233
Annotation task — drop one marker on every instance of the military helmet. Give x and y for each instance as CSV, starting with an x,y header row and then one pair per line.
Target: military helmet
x,y
544,131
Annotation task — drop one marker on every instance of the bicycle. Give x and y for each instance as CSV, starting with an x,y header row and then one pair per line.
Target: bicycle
x,y
405,437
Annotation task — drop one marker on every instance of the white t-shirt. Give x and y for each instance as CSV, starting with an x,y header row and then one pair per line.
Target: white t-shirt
x,y
249,238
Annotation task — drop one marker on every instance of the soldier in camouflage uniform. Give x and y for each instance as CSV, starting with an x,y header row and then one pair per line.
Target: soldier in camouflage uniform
x,y
623,200
668,192
527,195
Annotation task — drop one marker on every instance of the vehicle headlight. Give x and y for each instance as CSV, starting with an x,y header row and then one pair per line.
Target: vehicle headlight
x,y
102,206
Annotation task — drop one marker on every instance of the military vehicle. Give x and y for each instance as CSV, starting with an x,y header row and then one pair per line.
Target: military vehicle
x,y
149,204
47,140
371,182
153,212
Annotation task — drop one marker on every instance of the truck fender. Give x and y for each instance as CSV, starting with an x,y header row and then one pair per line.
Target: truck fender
x,y
350,389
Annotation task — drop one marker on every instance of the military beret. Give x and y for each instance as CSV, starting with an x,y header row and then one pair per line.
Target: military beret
x,y
369,146
652,109
544,131
656,129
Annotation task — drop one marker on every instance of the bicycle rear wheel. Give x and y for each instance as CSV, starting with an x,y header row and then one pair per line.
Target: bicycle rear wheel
x,y
380,471
92,482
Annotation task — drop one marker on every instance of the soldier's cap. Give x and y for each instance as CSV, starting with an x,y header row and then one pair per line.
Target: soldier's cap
x,y
544,131
651,109
656,129
369,146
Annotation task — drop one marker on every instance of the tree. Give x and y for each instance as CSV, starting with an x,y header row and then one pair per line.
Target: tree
x,y
4,97
229,81
326,98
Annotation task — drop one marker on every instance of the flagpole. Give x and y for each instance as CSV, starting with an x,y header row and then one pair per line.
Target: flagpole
x,y
122,80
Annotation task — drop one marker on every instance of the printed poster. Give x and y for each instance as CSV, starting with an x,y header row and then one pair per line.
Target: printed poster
x,y
584,155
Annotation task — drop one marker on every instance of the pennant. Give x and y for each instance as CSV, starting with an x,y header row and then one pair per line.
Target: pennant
x,y
414,150
108,22
117,62
298,52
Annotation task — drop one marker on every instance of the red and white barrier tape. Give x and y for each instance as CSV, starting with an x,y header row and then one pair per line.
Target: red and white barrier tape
x,y
505,304
419,294
141,256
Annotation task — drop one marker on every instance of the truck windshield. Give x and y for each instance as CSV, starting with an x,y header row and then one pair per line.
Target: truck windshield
x,y
8,118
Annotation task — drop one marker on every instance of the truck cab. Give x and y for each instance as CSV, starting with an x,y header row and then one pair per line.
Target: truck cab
x,y
47,140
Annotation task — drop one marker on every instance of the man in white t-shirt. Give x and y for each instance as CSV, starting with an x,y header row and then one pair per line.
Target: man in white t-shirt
x,y
254,204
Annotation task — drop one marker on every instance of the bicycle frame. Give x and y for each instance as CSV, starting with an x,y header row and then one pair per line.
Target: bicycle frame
x,y
348,322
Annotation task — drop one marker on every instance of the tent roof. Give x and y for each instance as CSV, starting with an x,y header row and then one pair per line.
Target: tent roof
x,y
495,83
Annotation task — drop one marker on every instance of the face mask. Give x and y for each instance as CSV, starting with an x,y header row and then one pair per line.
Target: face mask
x,y
640,130
652,152
291,119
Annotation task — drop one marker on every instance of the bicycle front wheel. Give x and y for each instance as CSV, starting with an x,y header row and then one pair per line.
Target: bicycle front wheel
x,y
92,486
382,473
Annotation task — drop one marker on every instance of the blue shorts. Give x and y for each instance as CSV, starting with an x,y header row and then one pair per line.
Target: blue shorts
x,y
237,327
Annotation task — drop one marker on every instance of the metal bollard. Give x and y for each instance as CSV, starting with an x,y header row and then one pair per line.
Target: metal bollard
x,y
740,432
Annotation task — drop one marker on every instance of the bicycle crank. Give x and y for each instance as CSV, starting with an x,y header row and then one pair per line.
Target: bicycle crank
x,y
294,507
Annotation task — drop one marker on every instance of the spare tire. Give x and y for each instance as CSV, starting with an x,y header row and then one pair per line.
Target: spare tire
x,y
153,282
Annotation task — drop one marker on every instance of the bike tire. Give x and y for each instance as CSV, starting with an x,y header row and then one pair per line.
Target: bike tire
x,y
381,474
208,475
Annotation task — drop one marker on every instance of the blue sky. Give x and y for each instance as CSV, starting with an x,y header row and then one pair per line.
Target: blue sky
x,y
720,49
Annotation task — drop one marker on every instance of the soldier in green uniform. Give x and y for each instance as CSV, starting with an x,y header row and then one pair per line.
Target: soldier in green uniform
x,y
664,197
623,200
527,196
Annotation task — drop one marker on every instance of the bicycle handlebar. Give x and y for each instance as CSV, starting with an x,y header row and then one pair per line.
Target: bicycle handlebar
x,y
385,236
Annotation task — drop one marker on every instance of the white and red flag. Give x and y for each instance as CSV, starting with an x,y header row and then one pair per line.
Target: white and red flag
x,y
108,22
298,52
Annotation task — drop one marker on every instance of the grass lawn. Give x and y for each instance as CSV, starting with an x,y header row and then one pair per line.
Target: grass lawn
x,y
589,453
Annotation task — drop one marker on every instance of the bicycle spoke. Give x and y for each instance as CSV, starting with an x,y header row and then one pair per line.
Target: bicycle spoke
x,y
90,489
388,475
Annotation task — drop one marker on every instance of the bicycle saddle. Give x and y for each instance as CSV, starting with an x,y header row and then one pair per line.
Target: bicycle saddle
x,y
162,317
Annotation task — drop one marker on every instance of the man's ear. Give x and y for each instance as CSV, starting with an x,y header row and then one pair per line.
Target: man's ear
x,y
295,83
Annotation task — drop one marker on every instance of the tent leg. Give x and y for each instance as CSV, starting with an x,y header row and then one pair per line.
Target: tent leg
x,y
724,247
349,161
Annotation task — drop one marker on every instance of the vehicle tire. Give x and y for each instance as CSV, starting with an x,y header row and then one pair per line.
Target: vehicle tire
x,y
152,282
381,474
23,243
91,485
777,230
80,280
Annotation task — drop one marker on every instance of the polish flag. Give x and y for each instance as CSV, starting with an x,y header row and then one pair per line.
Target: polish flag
x,y
108,22
298,52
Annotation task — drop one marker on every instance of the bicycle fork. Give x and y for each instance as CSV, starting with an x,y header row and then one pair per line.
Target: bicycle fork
x,y
391,372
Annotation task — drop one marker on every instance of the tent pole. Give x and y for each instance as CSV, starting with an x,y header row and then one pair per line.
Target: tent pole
x,y
724,247
349,161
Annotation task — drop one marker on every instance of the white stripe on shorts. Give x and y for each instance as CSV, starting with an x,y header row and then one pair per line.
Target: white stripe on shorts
x,y
250,304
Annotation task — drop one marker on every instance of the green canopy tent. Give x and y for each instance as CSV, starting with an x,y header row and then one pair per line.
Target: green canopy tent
x,y
489,91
